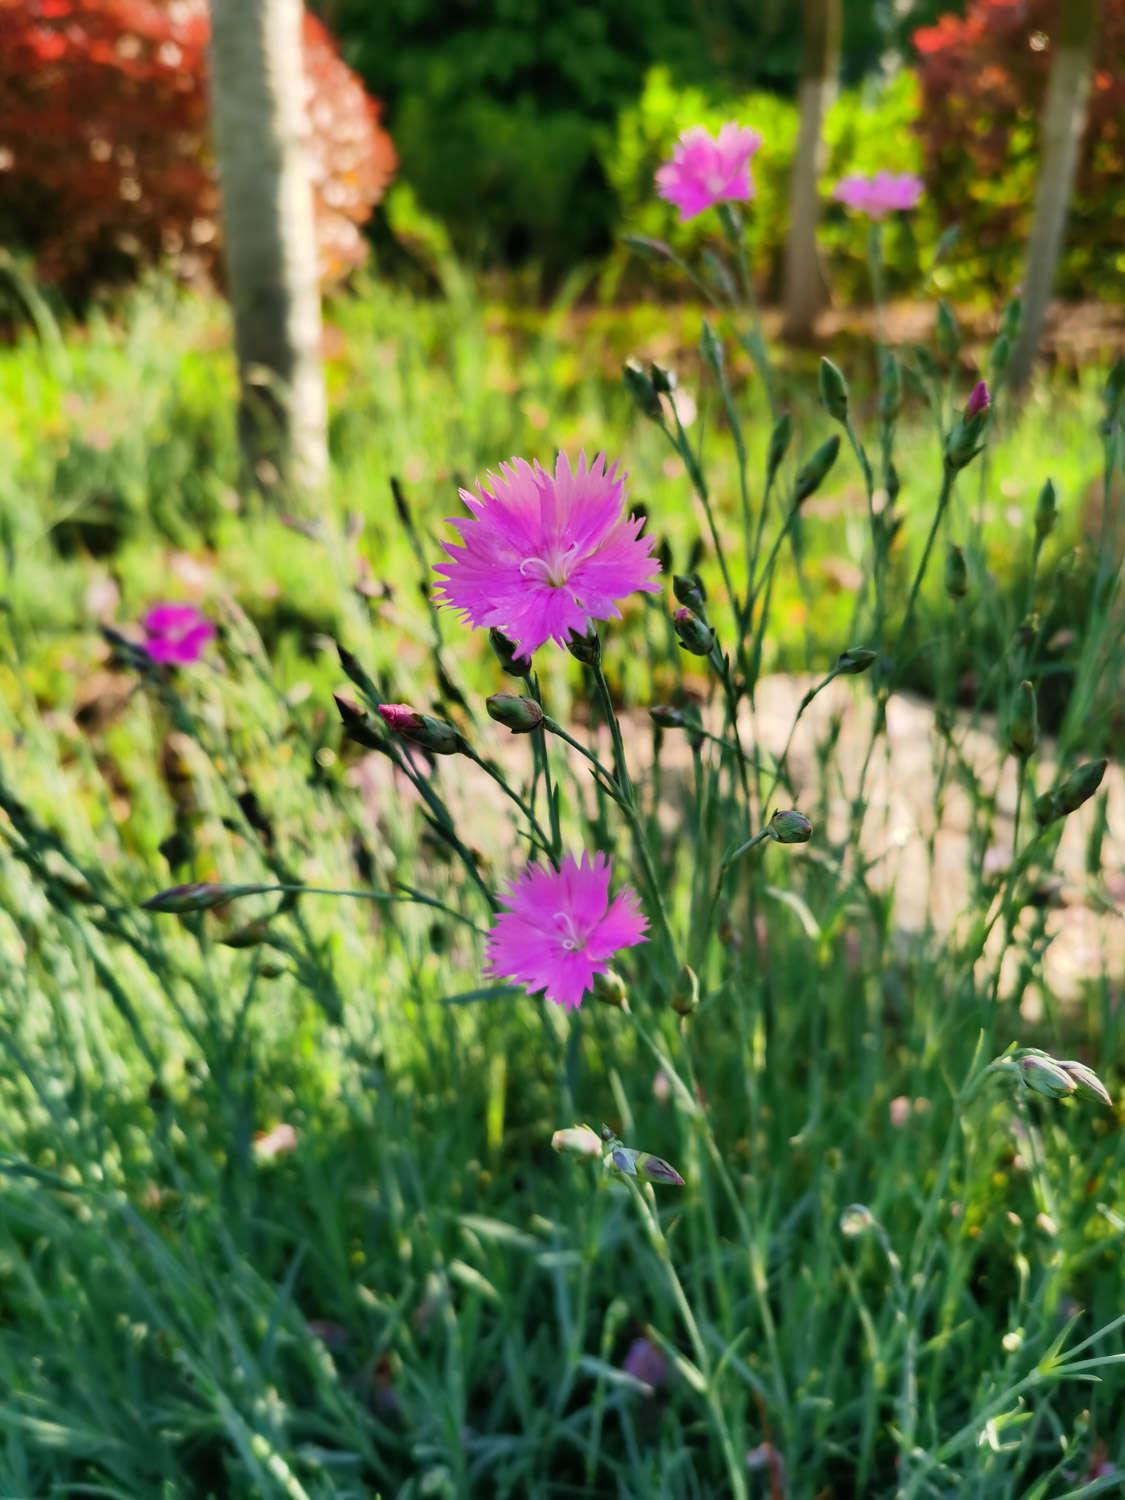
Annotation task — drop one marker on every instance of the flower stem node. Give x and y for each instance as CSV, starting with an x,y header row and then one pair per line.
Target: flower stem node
x,y
520,715
434,735
693,634
790,827
811,474
833,391
1043,1075
853,661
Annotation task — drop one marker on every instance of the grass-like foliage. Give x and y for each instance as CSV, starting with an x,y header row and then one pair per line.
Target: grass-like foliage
x,y
836,1205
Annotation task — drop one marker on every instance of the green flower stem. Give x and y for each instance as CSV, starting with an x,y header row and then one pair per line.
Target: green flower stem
x,y
510,792
405,895
736,1469
948,474
623,796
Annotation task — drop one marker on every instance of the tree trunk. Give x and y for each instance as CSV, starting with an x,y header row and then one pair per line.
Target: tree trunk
x,y
805,288
259,125
1064,121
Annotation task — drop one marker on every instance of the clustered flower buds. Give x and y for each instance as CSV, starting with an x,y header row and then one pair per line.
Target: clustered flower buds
x,y
581,1140
1059,1078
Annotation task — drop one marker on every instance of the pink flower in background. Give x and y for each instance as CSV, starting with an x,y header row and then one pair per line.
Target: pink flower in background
x,y
561,928
707,169
176,633
645,1362
544,555
882,194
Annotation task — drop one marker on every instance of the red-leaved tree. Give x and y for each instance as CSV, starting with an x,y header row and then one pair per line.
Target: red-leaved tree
x,y
984,77
104,157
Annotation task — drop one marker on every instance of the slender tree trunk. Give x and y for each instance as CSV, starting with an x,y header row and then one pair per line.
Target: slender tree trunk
x,y
1064,122
258,114
805,287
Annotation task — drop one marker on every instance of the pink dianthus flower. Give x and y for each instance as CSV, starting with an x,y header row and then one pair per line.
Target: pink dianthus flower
x,y
560,928
544,555
707,169
176,633
880,195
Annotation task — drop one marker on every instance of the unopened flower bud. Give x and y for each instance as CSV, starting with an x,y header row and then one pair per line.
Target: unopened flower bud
x,y
201,896
833,390
667,717
431,734
790,827
505,652
358,724
1070,794
693,634
520,715
1043,1075
685,992
1087,1082
688,590
643,392
979,400
894,488
947,333
956,572
1079,787
1046,512
656,1169
855,1220
1023,734
854,660
586,648
1010,322
811,474
663,381
577,1140
779,443
610,989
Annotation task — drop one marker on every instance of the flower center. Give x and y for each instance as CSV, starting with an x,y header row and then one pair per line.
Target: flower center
x,y
554,569
573,941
